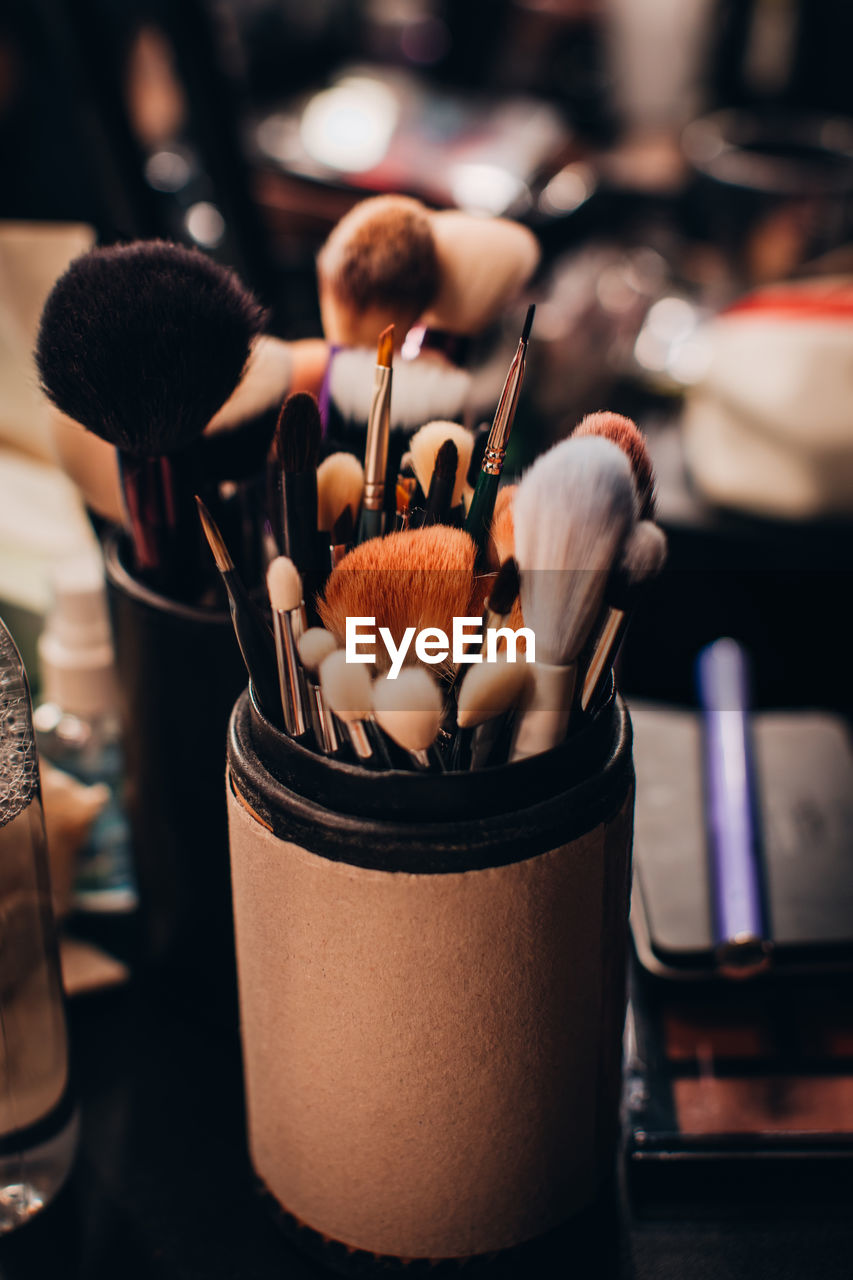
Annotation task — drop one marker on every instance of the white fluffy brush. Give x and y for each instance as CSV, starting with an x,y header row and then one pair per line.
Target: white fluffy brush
x,y
424,446
347,691
409,709
340,483
572,512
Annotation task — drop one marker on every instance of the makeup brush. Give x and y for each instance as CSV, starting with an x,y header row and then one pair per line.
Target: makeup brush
x,y
409,710
342,537
488,694
253,634
643,558
340,485
347,690
142,344
740,925
376,446
439,499
420,578
297,447
479,518
503,594
573,511
627,435
502,533
313,646
285,592
424,447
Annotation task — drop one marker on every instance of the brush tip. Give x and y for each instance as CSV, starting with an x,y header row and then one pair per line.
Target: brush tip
x,y
346,687
284,584
528,322
489,690
215,540
385,348
505,588
298,433
314,646
446,460
409,709
627,435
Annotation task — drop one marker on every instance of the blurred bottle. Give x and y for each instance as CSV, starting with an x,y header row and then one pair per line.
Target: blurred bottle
x,y
77,728
38,1125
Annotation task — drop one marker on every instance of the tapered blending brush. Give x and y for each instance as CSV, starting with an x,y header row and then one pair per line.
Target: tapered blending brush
x,y
340,486
642,560
479,518
285,591
142,344
253,634
348,693
424,447
502,533
297,448
573,510
627,435
409,710
489,693
313,646
376,446
439,499
417,579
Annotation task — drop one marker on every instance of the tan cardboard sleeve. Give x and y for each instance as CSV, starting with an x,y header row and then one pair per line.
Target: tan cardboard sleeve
x,y
430,1059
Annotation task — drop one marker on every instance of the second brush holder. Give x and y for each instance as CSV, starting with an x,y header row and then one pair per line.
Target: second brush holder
x,y
179,670
431,976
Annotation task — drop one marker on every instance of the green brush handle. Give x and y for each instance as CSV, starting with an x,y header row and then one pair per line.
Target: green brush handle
x,y
478,522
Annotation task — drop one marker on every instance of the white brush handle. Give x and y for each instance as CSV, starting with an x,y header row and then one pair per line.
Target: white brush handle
x,y
545,716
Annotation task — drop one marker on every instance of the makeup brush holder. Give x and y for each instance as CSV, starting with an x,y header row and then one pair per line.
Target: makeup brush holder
x,y
179,670
431,975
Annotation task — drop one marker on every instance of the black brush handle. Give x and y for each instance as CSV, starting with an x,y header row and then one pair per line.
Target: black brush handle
x,y
164,530
256,645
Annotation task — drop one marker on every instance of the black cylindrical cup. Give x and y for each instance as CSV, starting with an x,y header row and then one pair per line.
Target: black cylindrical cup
x,y
431,976
179,671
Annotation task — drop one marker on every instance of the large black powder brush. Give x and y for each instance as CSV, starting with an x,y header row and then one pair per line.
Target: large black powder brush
x,y
142,344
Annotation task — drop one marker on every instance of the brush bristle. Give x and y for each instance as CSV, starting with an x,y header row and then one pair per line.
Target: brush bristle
x,y
502,533
445,461
409,708
346,687
298,433
340,484
420,578
284,584
215,540
528,322
573,510
643,558
424,446
504,592
489,690
143,343
627,435
314,645
385,347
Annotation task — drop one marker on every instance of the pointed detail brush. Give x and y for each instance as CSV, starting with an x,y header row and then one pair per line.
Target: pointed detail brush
x,y
376,445
285,592
253,634
479,518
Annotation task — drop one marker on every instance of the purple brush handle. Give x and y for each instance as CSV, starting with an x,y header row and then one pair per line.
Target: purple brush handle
x,y
739,921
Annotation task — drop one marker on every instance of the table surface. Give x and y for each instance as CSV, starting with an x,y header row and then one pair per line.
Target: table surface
x,y
162,1190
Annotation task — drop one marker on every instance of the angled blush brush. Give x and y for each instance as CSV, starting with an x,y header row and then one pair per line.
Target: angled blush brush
x,y
376,446
479,518
253,634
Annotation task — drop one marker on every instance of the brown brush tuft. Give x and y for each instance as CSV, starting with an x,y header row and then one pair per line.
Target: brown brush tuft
x,y
143,343
419,578
502,535
625,433
298,434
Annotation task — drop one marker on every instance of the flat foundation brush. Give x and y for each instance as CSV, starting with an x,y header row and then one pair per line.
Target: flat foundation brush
x,y
478,521
253,634
376,446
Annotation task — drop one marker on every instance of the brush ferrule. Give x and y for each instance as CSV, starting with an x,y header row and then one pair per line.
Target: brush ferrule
x,y
374,495
357,732
493,460
289,676
378,432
